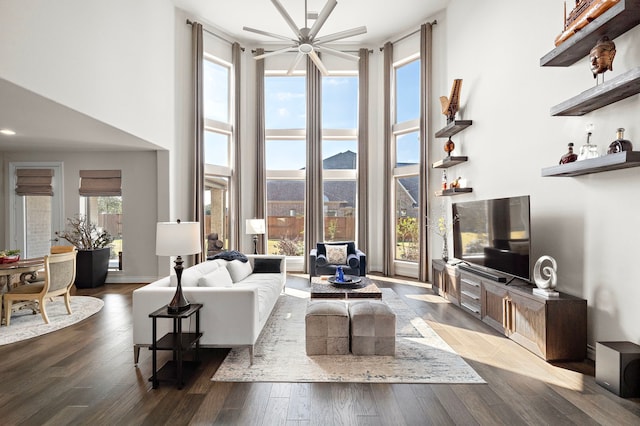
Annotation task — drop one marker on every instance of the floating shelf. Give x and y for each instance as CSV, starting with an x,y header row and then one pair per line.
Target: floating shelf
x,y
621,87
619,19
620,160
454,127
453,191
449,162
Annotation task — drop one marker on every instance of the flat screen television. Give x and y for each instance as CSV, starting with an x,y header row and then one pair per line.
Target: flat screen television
x,y
494,235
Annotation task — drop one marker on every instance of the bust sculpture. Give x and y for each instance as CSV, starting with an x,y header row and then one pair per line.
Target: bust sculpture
x,y
601,56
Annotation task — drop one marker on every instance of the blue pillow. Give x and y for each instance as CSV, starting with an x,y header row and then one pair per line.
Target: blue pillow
x,y
321,260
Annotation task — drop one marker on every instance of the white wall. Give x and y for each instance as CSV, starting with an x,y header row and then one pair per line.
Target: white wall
x,y
585,223
111,60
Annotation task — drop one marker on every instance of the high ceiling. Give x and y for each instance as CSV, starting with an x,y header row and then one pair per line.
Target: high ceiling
x,y
46,125
383,18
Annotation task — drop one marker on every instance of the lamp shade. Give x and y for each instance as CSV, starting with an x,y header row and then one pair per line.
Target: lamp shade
x,y
255,226
178,238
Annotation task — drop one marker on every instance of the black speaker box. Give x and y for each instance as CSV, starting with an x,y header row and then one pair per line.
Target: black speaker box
x,y
618,368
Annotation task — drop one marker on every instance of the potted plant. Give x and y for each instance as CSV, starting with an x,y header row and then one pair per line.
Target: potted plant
x,y
94,250
9,256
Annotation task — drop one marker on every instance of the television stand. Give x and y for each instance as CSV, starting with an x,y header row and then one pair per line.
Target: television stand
x,y
485,273
552,328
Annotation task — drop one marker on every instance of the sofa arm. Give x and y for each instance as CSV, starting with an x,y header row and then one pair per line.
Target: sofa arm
x,y
283,263
313,255
363,262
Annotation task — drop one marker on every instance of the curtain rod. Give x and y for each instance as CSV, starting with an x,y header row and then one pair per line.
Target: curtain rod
x,y
434,22
207,30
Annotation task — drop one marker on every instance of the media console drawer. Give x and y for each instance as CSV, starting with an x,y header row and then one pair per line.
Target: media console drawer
x,y
470,294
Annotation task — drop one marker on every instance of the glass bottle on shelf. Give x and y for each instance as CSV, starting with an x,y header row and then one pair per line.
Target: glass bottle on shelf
x,y
620,144
588,150
444,180
570,156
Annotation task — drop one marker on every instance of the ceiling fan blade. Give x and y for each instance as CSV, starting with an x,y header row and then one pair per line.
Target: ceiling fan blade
x,y
316,60
278,36
322,17
275,52
342,34
338,53
286,17
295,63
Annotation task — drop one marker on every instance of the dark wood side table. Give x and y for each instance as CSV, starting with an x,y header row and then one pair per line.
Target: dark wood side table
x,y
178,342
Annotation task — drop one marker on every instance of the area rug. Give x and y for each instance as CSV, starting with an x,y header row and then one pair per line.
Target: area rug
x,y
25,325
280,354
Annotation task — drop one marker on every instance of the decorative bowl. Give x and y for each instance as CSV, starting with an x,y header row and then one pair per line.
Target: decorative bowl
x,y
9,259
349,282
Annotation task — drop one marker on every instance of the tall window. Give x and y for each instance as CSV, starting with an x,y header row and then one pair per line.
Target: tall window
x,y
339,156
217,151
407,159
285,158
106,212
101,203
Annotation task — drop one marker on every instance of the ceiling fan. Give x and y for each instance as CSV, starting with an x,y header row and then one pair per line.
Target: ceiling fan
x,y
307,43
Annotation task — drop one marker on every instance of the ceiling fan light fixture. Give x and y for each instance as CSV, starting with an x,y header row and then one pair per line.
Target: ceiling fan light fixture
x,y
305,48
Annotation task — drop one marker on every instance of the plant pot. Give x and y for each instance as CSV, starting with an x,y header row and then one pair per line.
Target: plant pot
x,y
92,267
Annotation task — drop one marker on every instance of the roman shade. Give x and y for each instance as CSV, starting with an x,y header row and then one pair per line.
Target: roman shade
x,y
100,183
34,182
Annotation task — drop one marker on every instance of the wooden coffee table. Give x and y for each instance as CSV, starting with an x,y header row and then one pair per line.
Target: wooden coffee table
x,y
321,288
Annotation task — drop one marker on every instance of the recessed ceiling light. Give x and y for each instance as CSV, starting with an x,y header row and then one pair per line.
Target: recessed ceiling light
x,y
7,132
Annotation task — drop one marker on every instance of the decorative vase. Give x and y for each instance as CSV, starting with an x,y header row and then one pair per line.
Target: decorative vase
x,y
92,267
445,250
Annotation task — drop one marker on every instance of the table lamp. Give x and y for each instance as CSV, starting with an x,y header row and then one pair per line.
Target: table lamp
x,y
178,238
255,227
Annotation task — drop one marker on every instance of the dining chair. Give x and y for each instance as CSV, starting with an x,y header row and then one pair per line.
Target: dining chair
x,y
59,276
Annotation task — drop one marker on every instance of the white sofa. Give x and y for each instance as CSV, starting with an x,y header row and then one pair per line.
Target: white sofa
x,y
236,301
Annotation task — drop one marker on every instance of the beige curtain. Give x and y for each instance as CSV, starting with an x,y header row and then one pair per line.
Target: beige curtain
x,y
261,173
235,199
197,47
363,150
314,217
425,131
34,182
100,183
388,243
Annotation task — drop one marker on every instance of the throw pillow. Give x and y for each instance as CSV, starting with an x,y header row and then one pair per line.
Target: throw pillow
x,y
239,270
189,278
266,266
321,260
353,261
218,278
337,254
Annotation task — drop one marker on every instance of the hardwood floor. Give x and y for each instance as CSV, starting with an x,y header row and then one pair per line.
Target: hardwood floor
x,y
84,374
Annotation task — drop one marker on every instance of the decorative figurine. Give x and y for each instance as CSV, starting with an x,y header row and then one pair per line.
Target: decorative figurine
x,y
449,146
601,57
444,180
450,105
620,144
339,274
455,183
581,15
569,157
545,277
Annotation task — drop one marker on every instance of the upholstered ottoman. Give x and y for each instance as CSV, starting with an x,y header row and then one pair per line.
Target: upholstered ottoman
x,y
327,328
373,328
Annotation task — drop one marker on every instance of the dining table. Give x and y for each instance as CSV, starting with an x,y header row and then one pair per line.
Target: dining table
x,y
27,269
